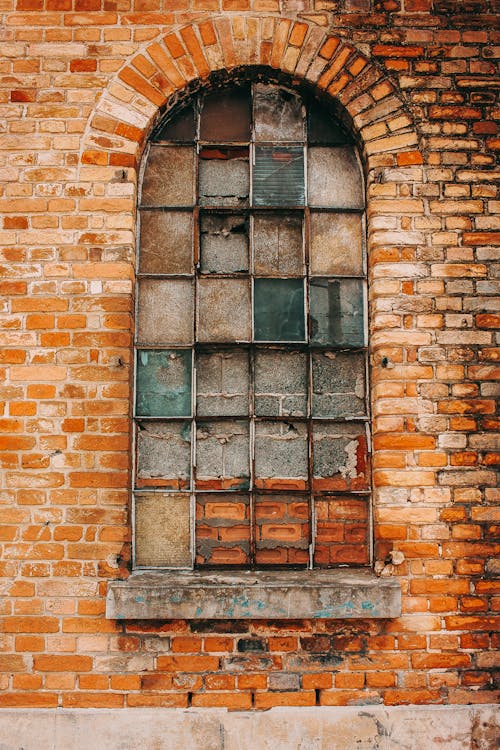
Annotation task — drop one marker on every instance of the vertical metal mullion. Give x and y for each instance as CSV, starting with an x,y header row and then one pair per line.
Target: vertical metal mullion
x,y
251,350
194,370
312,514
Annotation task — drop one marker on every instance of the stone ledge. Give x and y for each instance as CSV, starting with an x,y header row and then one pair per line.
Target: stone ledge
x,y
287,594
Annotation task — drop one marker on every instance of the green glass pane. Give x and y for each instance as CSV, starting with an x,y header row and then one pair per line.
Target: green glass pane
x,y
163,383
279,310
336,309
278,176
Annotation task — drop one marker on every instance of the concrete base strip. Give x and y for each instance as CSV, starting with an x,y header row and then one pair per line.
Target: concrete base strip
x,y
322,728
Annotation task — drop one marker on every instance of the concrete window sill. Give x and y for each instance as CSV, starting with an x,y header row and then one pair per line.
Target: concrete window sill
x,y
287,594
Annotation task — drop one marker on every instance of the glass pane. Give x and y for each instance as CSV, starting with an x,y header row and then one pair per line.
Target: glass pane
x,y
166,242
278,177
222,456
338,384
224,177
323,128
281,455
282,530
341,531
162,530
178,127
164,454
169,177
222,529
226,116
334,178
165,311
224,310
279,310
280,384
224,243
163,383
336,309
278,114
336,244
222,384
340,454
278,245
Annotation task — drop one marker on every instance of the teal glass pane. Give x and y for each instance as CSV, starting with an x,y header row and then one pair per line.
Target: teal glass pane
x,y
278,176
163,383
279,310
336,310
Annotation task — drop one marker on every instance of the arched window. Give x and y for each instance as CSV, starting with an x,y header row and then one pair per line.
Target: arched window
x,y
251,417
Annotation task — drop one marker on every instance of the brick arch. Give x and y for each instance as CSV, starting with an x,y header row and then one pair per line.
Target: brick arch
x,y
155,77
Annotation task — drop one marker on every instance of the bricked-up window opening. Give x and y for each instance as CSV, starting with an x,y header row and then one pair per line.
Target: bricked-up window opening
x,y
251,375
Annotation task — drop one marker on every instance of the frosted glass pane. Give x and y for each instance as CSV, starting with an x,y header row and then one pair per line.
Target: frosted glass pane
x,y
162,530
224,243
278,114
224,177
278,177
222,455
163,387
338,384
224,310
279,310
166,242
169,177
278,245
340,456
165,311
222,383
226,116
163,454
280,384
336,244
336,310
334,178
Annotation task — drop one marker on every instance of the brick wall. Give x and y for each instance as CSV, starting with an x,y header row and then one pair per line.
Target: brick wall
x,y
81,84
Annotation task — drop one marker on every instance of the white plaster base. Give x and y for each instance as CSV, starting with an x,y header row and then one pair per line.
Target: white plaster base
x,y
324,728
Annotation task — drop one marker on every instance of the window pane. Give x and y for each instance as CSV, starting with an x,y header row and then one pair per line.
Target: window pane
x,y
280,384
222,529
224,310
341,531
164,454
163,387
278,114
162,530
222,384
165,311
166,242
336,244
169,177
278,177
279,310
224,243
278,245
322,128
340,454
281,455
336,309
282,529
226,116
222,455
338,385
178,127
334,178
224,177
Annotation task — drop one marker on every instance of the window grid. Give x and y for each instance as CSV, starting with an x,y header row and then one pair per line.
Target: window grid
x,y
253,348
